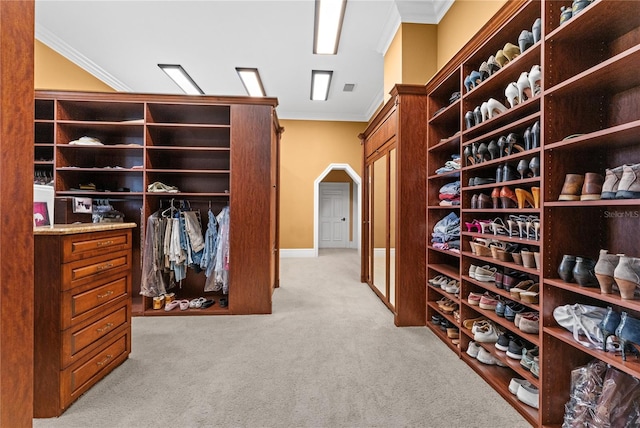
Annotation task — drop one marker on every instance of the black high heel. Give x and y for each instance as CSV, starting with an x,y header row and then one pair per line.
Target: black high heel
x,y
468,156
502,144
474,152
628,331
478,115
514,141
483,151
608,325
494,151
535,135
469,119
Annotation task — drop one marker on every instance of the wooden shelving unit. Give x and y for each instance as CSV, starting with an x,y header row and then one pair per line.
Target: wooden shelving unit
x,y
192,143
588,88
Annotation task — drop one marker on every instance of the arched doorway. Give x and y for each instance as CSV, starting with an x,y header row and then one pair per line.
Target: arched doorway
x,y
357,204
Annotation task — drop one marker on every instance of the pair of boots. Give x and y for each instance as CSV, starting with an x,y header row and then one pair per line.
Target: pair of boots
x,y
622,182
618,269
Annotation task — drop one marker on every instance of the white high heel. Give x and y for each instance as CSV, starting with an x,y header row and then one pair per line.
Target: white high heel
x,y
511,92
535,76
523,85
495,106
484,109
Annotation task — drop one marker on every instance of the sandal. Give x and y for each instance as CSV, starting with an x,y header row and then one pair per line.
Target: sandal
x,y
207,303
197,303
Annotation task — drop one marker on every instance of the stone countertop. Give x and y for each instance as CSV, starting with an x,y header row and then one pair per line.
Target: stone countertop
x,y
69,229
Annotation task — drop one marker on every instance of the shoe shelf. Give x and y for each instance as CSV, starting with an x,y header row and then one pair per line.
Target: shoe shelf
x,y
594,293
449,114
503,238
447,252
507,265
450,144
449,176
506,120
622,135
494,85
489,186
509,363
444,269
631,366
604,29
490,286
518,126
499,378
442,335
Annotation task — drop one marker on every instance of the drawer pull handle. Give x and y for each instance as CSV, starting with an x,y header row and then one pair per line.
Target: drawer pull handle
x,y
105,361
106,327
105,266
103,243
107,294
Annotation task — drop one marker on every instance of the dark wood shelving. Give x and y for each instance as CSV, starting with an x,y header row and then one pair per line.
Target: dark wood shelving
x,y
594,292
519,113
622,135
450,112
596,203
450,175
491,287
447,252
504,238
449,144
508,265
501,160
504,323
196,142
519,182
444,269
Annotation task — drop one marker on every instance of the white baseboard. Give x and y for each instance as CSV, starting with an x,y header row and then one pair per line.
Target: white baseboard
x,y
297,252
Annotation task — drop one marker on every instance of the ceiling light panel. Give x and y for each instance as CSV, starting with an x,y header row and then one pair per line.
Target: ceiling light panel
x,y
328,25
320,83
251,80
181,78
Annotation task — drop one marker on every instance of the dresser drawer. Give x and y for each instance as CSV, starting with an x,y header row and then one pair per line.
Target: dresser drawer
x,y
79,377
85,245
82,272
84,302
82,339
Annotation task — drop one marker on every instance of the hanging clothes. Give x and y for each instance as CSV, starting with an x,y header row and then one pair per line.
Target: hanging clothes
x,y
209,253
154,281
221,270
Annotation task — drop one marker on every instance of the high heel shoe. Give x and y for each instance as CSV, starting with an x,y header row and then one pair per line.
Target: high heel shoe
x,y
527,139
483,151
495,107
628,331
535,135
535,77
468,84
484,225
502,145
468,156
511,51
476,78
474,153
473,226
508,198
608,325
525,40
604,269
509,173
484,109
501,58
514,142
513,227
511,92
627,276
495,197
534,223
524,88
477,113
522,168
534,166
494,151
493,64
498,227
485,71
535,191
524,197
536,30
469,119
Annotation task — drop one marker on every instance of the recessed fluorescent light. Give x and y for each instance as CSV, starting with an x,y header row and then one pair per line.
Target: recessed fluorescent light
x,y
328,24
320,82
251,81
182,78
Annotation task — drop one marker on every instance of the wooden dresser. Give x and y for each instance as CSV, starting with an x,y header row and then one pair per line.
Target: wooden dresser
x,y
82,326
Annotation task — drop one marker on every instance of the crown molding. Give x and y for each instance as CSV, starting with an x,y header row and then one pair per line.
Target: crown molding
x,y
58,45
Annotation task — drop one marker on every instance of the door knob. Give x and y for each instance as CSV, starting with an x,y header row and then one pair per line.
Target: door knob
x,y
343,219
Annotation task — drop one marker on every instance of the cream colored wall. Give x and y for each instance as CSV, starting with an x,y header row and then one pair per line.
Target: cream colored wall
x,y
53,71
461,22
307,148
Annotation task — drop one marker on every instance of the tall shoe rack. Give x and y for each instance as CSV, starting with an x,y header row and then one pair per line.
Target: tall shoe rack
x,y
589,87
218,151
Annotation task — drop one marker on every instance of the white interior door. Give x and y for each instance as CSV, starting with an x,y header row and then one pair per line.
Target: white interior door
x,y
334,215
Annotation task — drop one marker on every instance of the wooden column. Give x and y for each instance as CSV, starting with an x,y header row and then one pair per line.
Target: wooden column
x,y
16,211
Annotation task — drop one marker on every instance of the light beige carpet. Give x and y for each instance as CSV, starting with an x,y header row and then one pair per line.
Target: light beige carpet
x,y
328,356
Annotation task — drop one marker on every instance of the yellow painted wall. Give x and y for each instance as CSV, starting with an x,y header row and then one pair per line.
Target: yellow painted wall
x,y
393,64
461,22
53,71
307,149
419,42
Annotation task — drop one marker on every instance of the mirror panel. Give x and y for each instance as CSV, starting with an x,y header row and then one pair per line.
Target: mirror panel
x,y
392,227
379,226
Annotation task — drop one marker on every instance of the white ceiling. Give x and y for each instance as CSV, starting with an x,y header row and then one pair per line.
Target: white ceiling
x,y
122,43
